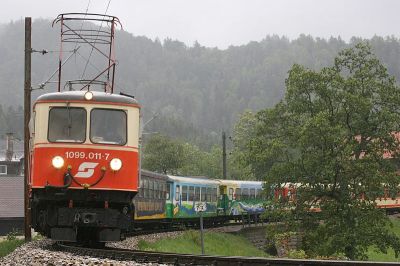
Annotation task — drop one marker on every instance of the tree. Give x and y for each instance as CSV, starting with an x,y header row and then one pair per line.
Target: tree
x,y
243,133
163,155
331,135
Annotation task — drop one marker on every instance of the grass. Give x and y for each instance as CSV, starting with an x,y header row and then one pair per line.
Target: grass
x,y
376,255
8,246
214,244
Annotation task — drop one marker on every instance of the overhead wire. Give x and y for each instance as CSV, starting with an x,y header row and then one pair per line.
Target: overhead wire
x,y
73,51
91,51
95,67
83,22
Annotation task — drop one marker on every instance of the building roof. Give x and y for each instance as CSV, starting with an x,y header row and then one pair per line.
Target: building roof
x,y
11,196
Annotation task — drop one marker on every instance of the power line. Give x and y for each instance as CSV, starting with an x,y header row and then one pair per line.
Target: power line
x,y
83,21
41,86
91,51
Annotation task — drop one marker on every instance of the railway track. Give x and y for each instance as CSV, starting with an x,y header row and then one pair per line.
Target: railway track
x,y
189,259
140,256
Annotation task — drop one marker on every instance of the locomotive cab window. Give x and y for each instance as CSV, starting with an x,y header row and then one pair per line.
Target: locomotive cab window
x,y
67,124
108,126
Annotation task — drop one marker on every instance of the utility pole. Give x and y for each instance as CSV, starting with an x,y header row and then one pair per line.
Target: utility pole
x,y
27,117
223,155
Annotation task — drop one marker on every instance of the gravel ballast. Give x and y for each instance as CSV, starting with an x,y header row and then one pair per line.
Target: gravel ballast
x,y
39,252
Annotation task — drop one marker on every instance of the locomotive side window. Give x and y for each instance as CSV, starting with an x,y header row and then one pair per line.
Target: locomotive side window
x,y
108,126
191,193
67,124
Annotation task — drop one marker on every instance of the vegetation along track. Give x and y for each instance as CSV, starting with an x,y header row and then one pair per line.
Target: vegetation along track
x,y
188,259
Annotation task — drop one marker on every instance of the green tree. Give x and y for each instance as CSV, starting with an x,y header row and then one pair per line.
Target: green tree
x,y
329,135
243,133
163,155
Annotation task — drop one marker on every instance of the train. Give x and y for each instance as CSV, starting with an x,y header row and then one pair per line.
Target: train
x,y
165,200
85,184
84,143
84,165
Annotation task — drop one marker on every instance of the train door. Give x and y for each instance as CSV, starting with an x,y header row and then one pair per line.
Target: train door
x,y
169,208
223,199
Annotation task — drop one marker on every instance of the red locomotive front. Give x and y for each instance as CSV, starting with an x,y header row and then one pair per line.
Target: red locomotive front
x,y
84,167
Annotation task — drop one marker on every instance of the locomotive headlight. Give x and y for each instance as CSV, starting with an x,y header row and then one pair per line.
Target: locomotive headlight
x,y
88,95
57,162
115,164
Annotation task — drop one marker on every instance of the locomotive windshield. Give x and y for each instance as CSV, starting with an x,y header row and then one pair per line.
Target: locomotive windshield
x,y
67,124
108,126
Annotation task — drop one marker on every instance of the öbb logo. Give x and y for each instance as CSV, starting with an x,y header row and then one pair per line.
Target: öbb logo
x,y
86,170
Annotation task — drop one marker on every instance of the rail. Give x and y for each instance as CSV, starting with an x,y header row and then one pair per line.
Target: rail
x,y
189,259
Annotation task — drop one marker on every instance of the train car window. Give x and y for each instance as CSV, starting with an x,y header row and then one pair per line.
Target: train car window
x,y
146,188
155,190
230,193
167,195
184,193
259,193
191,193
161,191
151,189
238,193
108,126
141,188
214,194
203,193
245,193
208,197
196,194
177,192
67,124
252,193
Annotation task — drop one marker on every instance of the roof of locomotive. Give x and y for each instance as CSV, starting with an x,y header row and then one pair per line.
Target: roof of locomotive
x,y
98,96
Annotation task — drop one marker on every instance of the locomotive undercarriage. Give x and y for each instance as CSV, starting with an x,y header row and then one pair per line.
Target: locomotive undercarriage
x,y
87,216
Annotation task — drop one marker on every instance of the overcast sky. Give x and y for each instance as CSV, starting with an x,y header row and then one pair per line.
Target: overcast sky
x,y
228,22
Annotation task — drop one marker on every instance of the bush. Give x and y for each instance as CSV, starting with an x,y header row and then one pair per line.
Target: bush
x,y
12,235
297,254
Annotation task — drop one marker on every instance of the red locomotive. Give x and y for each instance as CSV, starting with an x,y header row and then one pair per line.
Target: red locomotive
x,y
84,157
